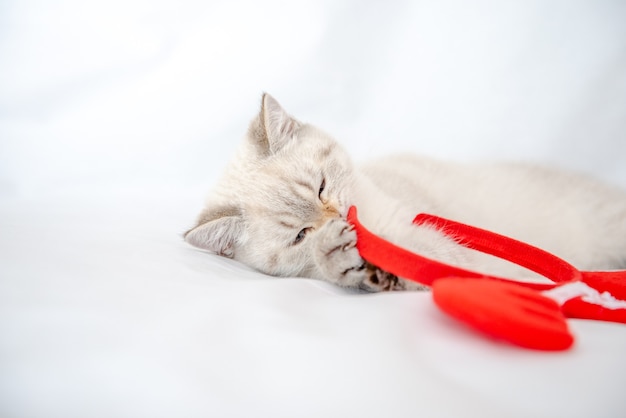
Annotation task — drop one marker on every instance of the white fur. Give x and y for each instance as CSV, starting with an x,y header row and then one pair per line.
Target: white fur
x,y
269,194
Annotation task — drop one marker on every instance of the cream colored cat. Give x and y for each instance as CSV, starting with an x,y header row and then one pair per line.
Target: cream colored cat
x,y
281,206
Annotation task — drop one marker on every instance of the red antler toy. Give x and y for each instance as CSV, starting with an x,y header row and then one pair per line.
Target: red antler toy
x,y
531,315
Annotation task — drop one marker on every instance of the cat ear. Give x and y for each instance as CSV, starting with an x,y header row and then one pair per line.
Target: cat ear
x,y
274,127
218,230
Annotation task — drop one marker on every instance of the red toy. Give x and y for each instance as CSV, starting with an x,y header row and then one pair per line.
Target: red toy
x,y
531,315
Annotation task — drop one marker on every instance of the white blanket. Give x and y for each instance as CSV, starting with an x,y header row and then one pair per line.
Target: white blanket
x,y
116,118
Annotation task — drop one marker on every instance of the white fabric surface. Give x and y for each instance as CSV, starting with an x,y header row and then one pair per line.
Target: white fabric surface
x,y
116,117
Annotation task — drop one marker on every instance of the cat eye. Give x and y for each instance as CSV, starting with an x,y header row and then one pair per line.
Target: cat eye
x,y
322,187
301,235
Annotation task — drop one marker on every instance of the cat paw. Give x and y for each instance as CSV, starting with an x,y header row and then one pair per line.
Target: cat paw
x,y
339,262
404,284
377,280
337,256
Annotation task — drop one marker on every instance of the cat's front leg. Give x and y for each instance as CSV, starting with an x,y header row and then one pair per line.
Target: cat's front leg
x,y
336,257
339,262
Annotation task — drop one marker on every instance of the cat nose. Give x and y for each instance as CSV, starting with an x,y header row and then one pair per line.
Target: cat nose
x,y
331,212
327,214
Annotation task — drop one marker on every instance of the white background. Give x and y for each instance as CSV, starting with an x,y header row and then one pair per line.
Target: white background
x,y
159,92
115,119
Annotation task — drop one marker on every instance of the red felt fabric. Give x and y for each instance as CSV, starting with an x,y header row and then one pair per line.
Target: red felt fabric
x,y
403,263
613,282
526,255
503,308
578,308
505,311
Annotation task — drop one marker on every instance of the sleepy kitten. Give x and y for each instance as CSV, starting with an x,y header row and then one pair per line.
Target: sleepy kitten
x,y
281,207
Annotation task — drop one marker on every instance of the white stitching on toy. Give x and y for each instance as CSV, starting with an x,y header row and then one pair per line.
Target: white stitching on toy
x,y
569,291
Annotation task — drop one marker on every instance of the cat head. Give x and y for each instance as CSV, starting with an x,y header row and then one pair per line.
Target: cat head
x,y
286,181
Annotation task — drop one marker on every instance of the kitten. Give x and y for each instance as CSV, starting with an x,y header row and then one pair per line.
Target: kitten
x,y
281,207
